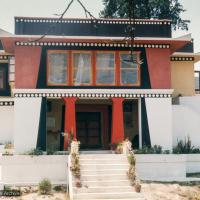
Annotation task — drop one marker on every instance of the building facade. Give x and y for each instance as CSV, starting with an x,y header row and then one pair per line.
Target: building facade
x,y
76,80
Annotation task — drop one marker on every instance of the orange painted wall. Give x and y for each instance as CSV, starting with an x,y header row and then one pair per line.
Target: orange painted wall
x,y
27,62
159,68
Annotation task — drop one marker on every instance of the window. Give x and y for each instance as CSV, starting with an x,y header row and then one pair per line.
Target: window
x,y
88,68
105,67
129,71
57,70
2,78
82,68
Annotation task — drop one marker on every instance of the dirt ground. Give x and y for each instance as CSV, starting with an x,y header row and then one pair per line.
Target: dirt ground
x,y
151,191
159,191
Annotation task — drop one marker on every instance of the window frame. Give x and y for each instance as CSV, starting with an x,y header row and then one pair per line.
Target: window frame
x,y
67,67
72,67
138,53
94,68
115,68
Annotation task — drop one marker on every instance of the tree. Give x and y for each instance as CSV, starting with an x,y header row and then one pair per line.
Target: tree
x,y
147,9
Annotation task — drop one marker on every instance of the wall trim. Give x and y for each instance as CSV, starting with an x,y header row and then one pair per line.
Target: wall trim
x,y
93,93
92,44
182,58
6,103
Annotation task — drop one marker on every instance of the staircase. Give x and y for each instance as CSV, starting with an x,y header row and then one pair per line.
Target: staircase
x,y
103,176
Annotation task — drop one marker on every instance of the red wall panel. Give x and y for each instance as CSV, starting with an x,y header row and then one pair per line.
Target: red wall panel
x,y
27,62
159,68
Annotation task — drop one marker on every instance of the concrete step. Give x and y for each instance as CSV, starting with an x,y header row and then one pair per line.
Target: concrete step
x,y
104,183
102,156
103,172
103,161
97,152
101,177
118,195
102,166
103,189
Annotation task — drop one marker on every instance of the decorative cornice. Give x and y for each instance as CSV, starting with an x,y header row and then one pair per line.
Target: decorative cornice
x,y
6,103
94,44
88,21
182,58
4,58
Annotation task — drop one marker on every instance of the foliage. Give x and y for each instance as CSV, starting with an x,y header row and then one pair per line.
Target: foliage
x,y
7,188
8,145
156,149
58,188
185,147
7,153
35,152
147,9
45,187
117,147
75,165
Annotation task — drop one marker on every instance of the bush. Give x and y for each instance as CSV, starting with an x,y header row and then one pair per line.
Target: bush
x,y
45,187
35,152
185,147
58,188
156,149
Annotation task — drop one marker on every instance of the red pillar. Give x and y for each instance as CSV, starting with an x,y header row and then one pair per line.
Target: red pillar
x,y
117,120
70,118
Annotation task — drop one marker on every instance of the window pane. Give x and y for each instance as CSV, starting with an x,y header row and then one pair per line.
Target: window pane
x,y
57,68
125,61
1,79
105,63
105,60
82,68
105,77
129,76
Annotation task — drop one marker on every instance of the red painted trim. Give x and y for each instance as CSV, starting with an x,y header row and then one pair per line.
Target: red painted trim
x,y
70,118
159,68
117,120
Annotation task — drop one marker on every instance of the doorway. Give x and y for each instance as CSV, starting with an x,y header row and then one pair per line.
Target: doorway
x,y
89,129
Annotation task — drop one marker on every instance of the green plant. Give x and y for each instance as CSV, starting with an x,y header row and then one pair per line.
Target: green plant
x,y
35,152
45,187
8,145
131,159
117,147
75,165
156,149
7,188
58,188
185,147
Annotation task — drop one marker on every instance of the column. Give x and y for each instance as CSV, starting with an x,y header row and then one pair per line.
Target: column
x,y
117,120
70,118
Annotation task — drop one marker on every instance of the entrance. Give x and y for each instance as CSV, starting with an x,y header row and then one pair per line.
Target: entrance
x,y
89,129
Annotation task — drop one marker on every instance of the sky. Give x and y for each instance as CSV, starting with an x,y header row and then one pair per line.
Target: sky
x,y
47,8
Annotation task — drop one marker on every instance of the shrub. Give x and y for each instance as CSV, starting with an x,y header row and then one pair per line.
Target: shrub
x,y
58,188
45,187
156,149
185,147
35,152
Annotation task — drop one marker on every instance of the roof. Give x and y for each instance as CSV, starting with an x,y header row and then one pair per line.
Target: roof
x,y
91,27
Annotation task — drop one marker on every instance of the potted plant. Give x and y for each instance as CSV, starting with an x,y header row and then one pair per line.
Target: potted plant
x,y
137,186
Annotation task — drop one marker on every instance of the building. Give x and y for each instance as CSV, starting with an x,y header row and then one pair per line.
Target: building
x,y
76,79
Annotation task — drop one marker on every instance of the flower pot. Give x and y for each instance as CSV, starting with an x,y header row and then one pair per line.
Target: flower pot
x,y
138,188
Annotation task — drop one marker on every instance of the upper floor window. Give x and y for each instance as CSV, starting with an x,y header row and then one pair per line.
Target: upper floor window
x,y
57,68
91,68
129,70
82,68
105,68
2,78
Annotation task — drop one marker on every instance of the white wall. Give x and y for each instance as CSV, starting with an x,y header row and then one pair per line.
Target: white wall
x,y
27,170
161,167
26,123
159,115
6,123
186,120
